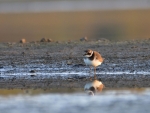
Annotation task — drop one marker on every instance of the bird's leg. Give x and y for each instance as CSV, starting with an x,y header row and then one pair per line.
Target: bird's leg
x,y
94,70
90,68
90,72
95,77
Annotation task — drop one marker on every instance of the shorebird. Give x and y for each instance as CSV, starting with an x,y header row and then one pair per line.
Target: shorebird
x,y
92,87
93,58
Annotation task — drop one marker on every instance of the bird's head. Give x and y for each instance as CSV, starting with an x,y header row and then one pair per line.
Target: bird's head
x,y
88,53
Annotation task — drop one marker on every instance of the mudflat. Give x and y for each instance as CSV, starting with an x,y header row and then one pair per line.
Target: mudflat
x,y
60,65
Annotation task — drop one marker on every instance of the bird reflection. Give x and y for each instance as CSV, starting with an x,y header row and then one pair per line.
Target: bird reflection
x,y
93,87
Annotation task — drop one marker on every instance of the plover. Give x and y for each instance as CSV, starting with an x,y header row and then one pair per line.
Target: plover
x,y
93,58
92,87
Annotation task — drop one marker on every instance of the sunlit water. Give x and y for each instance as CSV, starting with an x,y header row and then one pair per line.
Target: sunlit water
x,y
40,101
111,101
45,71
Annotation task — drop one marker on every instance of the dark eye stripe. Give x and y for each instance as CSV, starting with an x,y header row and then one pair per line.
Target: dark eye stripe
x,y
89,53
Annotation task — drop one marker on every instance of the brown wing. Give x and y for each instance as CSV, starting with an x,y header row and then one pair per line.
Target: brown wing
x,y
98,56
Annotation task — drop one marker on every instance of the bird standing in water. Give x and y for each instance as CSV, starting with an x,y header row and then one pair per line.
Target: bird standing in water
x,y
93,58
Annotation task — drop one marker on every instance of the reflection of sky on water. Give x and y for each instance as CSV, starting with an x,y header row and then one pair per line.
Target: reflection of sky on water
x,y
45,71
65,71
111,101
40,6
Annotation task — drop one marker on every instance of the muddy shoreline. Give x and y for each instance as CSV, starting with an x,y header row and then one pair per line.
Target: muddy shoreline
x,y
109,82
131,59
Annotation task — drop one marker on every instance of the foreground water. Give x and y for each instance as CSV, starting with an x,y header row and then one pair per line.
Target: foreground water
x,y
114,101
70,101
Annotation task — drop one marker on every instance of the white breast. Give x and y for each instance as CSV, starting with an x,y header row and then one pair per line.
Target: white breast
x,y
87,61
94,62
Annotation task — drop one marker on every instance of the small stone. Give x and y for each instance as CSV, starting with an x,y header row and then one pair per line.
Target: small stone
x,y
43,40
83,39
32,71
101,40
49,40
23,53
69,62
57,42
23,41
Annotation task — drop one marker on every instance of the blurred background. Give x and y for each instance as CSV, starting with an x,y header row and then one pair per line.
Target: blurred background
x,y
65,20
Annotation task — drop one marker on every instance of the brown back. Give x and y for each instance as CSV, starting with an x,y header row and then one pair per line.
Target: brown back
x,y
98,56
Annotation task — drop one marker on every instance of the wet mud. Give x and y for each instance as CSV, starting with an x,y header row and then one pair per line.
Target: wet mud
x,y
60,64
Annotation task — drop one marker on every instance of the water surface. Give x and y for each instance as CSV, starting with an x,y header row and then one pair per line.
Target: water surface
x,y
114,101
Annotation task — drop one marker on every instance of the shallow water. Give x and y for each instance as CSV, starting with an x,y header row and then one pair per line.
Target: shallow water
x,y
67,100
114,101
44,71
